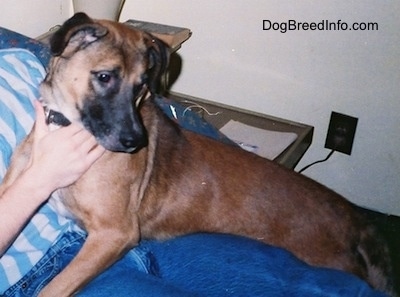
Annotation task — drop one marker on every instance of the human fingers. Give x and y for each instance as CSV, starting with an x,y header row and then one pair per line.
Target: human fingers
x,y
78,161
83,147
40,128
65,138
95,153
89,148
39,110
63,162
86,140
69,131
76,141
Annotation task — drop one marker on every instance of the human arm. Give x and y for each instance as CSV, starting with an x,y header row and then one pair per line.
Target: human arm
x,y
58,159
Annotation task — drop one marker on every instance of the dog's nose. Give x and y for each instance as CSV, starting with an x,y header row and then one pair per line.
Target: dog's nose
x,y
132,142
128,142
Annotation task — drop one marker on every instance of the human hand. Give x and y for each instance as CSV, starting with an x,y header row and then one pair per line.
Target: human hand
x,y
60,157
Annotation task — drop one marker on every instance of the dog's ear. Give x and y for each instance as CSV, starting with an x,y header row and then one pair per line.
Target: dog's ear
x,y
76,33
158,54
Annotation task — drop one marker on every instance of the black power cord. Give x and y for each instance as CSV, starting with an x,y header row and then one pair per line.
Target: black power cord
x,y
316,162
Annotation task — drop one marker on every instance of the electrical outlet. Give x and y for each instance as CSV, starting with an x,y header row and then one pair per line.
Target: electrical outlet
x,y
341,132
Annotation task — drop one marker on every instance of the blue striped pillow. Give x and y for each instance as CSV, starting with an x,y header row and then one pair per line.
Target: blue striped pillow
x,y
20,75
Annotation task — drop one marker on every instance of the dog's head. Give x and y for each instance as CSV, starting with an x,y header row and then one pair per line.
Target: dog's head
x,y
99,73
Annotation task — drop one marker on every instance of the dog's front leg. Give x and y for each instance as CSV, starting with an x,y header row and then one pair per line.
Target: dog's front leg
x,y
99,252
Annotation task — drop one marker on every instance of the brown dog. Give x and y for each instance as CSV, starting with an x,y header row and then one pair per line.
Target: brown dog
x,y
158,181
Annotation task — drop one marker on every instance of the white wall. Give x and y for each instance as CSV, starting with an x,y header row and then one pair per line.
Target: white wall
x,y
301,75
33,18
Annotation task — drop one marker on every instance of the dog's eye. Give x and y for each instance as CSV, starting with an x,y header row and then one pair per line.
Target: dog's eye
x,y
104,77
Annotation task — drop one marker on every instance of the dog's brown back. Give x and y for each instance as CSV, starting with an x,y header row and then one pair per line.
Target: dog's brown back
x,y
201,185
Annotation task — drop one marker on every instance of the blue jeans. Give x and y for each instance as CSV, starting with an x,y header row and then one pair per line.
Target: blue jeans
x,y
197,265
133,275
